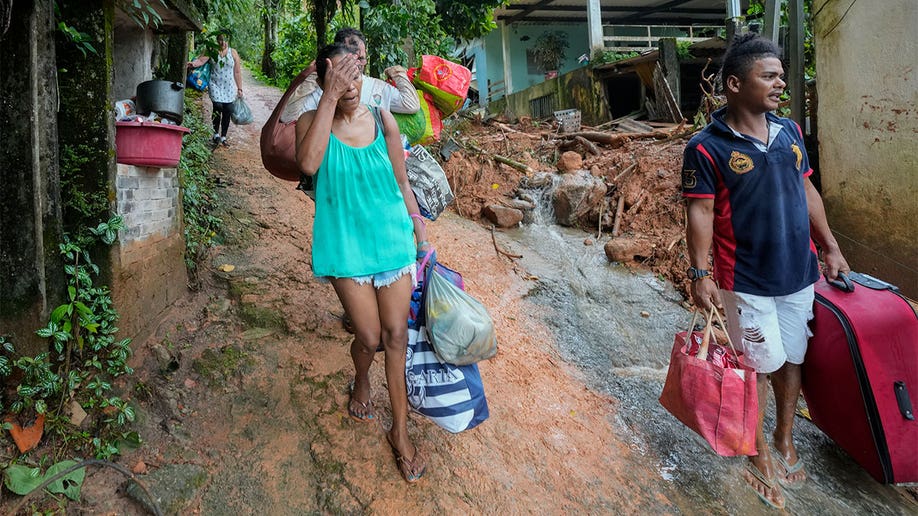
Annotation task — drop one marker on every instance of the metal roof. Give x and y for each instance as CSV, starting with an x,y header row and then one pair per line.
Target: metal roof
x,y
618,12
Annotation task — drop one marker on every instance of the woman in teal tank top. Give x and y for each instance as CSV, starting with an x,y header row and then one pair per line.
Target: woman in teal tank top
x,y
367,232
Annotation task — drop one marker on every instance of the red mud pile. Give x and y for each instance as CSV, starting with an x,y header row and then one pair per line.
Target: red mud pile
x,y
641,217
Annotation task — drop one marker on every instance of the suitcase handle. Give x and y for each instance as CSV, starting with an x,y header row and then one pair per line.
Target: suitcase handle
x,y
841,282
905,403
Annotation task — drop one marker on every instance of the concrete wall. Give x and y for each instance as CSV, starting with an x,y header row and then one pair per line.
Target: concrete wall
x,y
868,134
31,274
573,90
131,60
148,263
523,37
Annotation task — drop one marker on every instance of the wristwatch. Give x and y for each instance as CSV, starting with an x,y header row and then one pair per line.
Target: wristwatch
x,y
695,274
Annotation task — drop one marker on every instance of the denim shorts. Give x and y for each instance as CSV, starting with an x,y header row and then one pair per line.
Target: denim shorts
x,y
382,279
770,330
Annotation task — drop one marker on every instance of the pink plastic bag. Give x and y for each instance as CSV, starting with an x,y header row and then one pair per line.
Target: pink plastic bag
x,y
447,82
719,403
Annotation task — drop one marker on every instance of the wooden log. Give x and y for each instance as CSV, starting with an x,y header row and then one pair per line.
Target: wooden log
x,y
590,146
618,215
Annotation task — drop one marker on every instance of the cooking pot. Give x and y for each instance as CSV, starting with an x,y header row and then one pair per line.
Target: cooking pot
x,y
165,98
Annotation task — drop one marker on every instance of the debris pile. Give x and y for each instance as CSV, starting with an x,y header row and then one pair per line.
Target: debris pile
x,y
619,182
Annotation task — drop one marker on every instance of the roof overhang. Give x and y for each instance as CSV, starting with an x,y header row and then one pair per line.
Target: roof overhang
x,y
618,12
177,16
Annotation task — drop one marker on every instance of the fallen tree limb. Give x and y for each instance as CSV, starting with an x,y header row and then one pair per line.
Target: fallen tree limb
x,y
590,146
507,128
498,249
618,139
503,159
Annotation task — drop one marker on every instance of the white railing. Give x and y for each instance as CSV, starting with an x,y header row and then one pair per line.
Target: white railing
x,y
653,33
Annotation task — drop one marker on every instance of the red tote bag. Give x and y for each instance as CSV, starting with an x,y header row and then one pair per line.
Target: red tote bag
x,y
710,391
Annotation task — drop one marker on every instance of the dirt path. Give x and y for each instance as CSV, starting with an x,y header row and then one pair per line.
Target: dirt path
x,y
243,388
258,393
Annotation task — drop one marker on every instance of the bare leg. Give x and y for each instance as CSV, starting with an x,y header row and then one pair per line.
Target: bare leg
x,y
393,313
762,462
360,300
786,382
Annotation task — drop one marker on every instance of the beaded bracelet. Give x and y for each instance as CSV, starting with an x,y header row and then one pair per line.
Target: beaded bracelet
x,y
422,243
419,218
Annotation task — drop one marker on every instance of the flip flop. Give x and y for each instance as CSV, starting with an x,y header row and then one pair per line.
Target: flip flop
x,y
368,416
789,470
769,484
412,470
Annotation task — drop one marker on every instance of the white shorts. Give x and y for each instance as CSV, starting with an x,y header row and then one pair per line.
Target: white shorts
x,y
769,330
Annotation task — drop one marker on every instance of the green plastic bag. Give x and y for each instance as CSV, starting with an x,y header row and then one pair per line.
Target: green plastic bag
x,y
412,126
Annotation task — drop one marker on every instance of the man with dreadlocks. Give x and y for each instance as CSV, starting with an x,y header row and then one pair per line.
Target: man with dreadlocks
x,y
745,179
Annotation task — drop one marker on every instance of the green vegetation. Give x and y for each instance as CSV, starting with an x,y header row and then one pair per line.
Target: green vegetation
x,y
199,198
608,56
83,359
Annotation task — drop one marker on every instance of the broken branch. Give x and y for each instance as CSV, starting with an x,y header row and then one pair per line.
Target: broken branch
x,y
499,250
503,159
618,215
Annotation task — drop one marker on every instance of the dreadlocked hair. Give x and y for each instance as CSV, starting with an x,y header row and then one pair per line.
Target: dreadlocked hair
x,y
745,50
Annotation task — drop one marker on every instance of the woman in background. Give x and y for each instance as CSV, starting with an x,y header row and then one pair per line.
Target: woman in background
x,y
225,85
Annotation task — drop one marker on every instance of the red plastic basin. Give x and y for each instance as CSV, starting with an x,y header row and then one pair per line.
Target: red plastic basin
x,y
148,144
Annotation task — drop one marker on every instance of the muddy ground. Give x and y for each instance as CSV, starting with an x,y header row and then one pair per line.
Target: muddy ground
x,y
241,389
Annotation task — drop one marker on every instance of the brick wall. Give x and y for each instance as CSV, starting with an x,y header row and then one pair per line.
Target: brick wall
x,y
148,264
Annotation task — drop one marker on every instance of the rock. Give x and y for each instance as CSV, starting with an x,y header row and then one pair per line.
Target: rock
x,y
624,249
645,314
521,204
76,412
595,172
163,357
538,180
588,241
140,468
577,198
570,161
174,486
502,216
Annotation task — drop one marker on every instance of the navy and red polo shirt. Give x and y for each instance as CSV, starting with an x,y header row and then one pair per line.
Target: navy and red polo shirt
x,y
762,242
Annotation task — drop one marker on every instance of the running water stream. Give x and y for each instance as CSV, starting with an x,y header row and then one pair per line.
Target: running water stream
x,y
616,326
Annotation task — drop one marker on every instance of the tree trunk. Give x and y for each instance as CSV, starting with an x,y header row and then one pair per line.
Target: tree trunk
x,y
269,18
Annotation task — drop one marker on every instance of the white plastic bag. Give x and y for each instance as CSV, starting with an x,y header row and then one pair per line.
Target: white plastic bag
x,y
460,329
242,115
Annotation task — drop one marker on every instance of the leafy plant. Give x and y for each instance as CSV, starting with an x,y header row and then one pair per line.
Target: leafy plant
x,y
684,50
198,185
609,56
548,51
81,40
142,11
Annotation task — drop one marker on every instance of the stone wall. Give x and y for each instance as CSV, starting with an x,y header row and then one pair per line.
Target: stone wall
x,y
148,262
868,135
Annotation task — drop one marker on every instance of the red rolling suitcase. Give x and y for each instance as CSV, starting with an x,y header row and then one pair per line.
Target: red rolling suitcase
x,y
860,375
